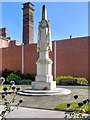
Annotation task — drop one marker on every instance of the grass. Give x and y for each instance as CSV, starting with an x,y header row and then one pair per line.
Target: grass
x,y
74,107
87,88
22,86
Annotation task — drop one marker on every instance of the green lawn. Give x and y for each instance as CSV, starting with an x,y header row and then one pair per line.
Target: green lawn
x,y
22,86
87,88
73,107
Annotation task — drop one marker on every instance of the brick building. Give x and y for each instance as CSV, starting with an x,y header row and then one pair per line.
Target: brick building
x,y
70,56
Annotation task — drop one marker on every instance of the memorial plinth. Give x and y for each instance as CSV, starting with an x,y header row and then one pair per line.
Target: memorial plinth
x,y
44,78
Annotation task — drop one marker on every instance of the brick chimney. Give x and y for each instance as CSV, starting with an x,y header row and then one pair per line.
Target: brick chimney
x,y
28,23
3,32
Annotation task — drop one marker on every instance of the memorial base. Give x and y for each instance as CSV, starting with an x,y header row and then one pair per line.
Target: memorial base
x,y
44,85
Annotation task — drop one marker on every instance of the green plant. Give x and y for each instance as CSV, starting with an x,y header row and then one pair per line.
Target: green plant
x,y
30,76
80,80
78,109
6,73
63,107
13,77
27,76
74,110
22,76
58,78
24,82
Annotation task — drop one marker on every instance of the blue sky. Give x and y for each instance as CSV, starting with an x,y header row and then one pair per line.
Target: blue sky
x,y
66,18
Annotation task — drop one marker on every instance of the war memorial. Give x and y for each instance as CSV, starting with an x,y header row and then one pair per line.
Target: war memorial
x,y
44,84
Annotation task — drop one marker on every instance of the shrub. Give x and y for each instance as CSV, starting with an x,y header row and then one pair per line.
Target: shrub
x,y
13,77
80,80
62,77
24,82
18,80
30,76
22,76
27,76
6,73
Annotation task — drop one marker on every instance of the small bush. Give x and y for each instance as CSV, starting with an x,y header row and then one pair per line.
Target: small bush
x,y
27,76
23,76
6,73
80,80
24,82
62,77
13,77
30,76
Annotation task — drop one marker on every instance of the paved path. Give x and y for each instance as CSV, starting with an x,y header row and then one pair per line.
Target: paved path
x,y
35,113
49,102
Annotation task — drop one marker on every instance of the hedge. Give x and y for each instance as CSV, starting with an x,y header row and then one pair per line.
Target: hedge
x,y
24,82
80,80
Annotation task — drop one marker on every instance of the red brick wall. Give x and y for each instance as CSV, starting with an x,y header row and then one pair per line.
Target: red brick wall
x,y
72,57
30,58
11,58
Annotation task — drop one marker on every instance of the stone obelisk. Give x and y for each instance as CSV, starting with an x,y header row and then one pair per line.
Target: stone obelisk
x,y
44,78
